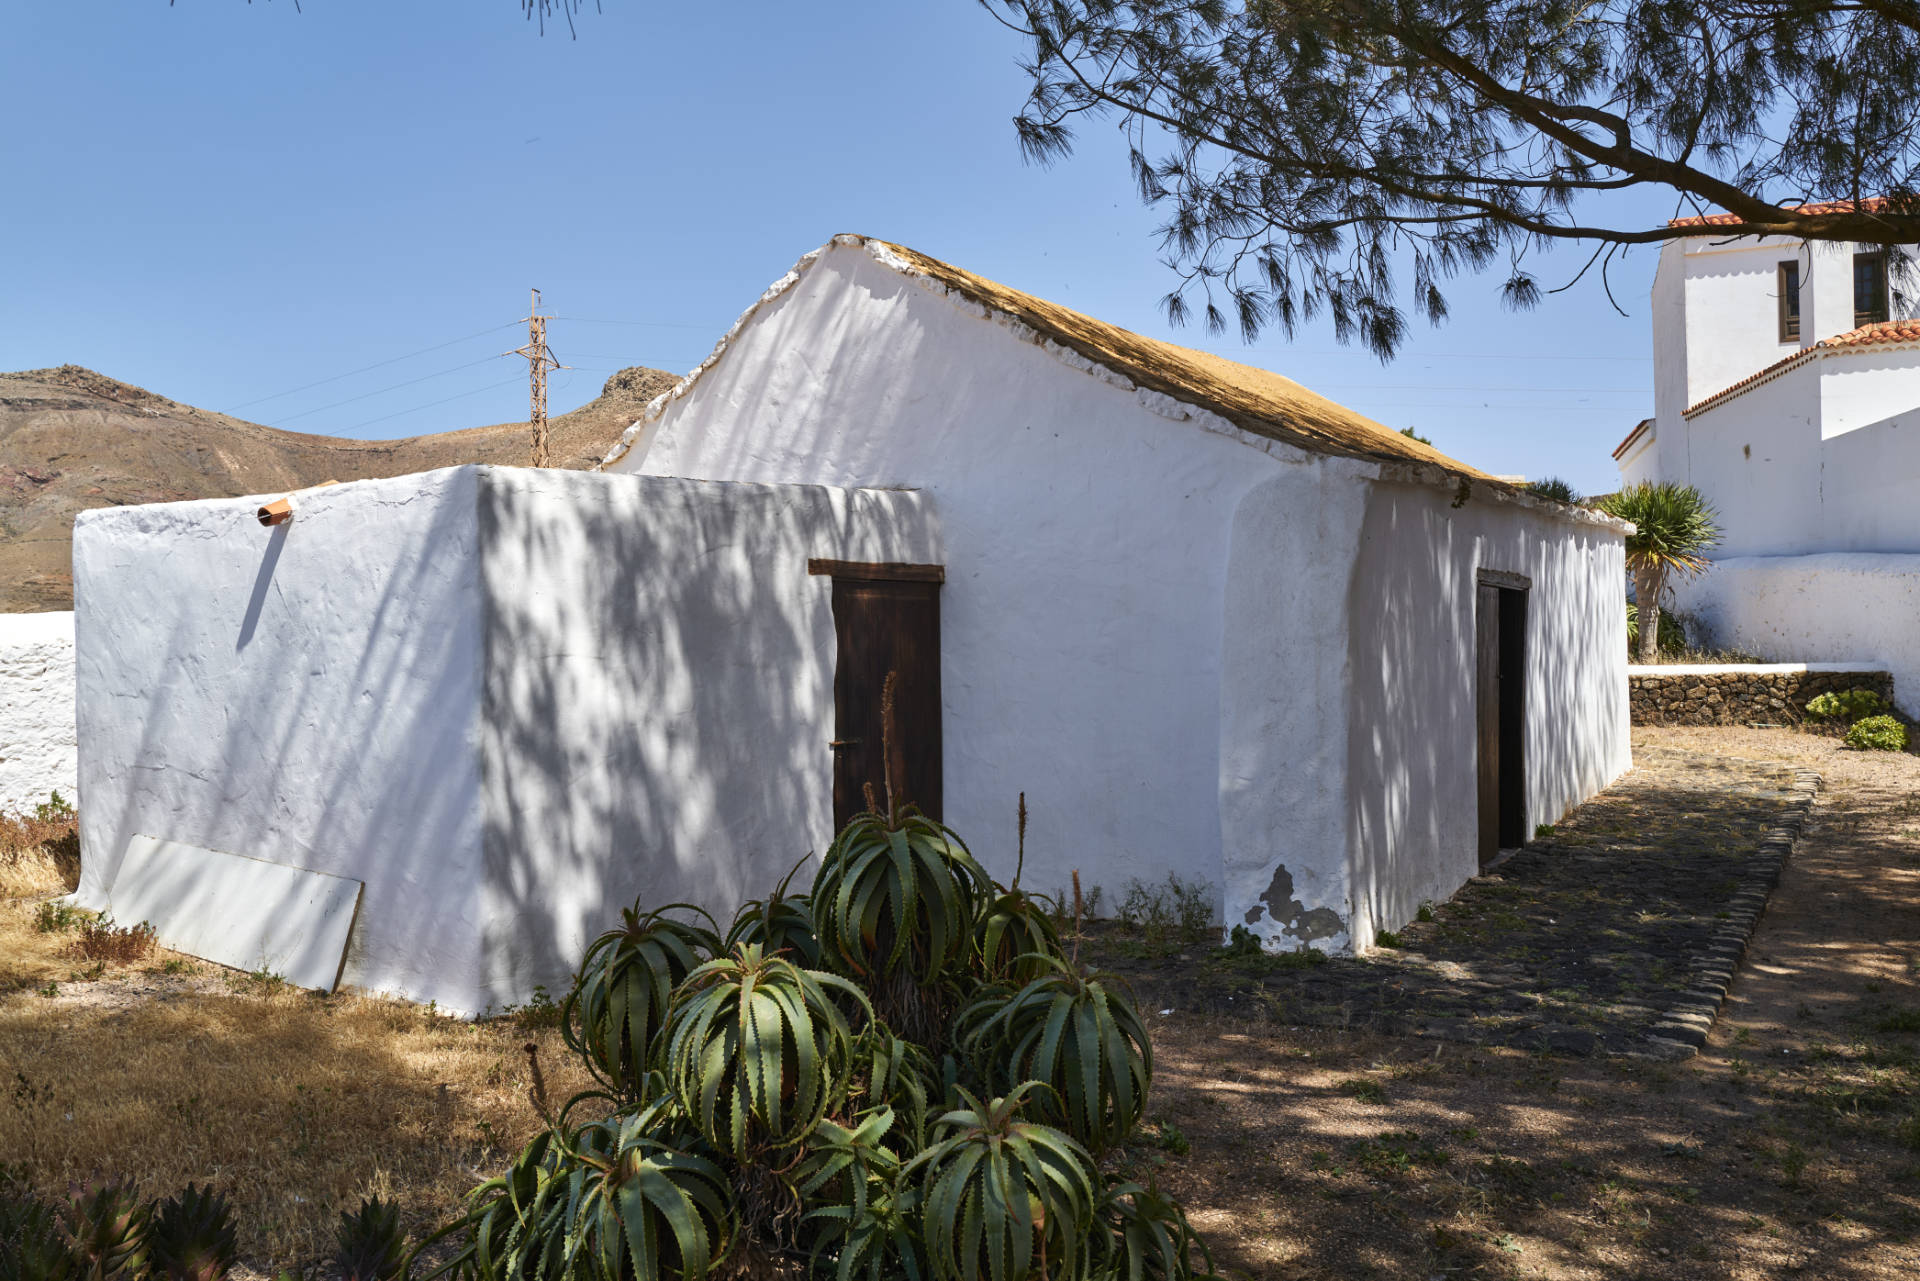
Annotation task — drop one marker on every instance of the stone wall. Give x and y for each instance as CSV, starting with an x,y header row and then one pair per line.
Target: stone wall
x,y
36,710
1741,694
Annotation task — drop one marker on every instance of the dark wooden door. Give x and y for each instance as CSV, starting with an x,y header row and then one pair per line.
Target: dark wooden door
x,y
1513,718
886,626
1500,688
1486,676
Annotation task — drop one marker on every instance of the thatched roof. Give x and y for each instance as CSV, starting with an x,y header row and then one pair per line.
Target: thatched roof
x,y
1256,401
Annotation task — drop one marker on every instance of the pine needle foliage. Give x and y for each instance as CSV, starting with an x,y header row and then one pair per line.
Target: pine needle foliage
x,y
1348,158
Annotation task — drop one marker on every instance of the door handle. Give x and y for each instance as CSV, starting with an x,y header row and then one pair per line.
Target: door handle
x,y
839,743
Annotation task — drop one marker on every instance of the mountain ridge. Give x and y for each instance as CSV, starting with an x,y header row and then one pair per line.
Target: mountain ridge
x,y
73,439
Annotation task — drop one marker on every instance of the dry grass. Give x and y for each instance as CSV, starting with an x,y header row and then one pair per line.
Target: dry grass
x,y
295,1104
38,855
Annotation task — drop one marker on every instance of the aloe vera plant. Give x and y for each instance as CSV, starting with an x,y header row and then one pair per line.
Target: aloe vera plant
x,y
625,1198
1148,1237
768,1112
864,1209
757,1050
781,923
1003,1198
32,1245
368,1243
192,1237
1074,1033
1016,936
108,1226
897,894
620,995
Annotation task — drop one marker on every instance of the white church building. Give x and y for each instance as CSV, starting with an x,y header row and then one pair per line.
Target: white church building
x,y
1787,390
1210,623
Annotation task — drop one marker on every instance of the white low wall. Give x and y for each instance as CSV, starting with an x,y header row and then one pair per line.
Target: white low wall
x,y
307,694
507,701
1838,607
36,710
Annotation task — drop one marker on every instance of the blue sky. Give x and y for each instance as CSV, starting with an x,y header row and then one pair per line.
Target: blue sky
x,y
225,202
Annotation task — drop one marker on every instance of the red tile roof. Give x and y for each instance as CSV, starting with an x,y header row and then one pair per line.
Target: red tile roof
x,y
1869,205
1643,425
1880,333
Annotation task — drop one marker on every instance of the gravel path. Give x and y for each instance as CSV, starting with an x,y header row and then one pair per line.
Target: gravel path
x,y
1616,932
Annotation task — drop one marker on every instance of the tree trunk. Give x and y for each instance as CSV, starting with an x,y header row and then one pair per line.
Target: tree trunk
x,y
1646,595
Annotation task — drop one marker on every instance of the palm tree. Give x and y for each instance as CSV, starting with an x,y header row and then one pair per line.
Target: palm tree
x,y
1674,529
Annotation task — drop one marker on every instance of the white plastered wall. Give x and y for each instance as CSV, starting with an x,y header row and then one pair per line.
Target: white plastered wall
x,y
658,695
1085,536
36,710
1837,607
307,694
1412,759
1284,770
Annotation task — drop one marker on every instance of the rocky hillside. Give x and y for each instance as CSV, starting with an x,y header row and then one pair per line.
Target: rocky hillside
x,y
71,439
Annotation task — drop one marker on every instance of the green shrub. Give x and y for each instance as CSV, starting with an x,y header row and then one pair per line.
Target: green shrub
x,y
1878,734
1554,488
1673,633
1847,705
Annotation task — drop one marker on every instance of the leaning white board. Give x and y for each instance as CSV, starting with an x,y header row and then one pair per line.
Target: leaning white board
x,y
238,911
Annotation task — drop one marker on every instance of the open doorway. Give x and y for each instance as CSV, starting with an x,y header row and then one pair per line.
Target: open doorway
x,y
1500,694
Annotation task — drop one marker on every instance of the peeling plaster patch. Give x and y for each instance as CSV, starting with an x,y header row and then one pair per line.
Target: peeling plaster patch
x,y
1295,919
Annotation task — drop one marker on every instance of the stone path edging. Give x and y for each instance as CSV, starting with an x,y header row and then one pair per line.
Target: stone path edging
x,y
1682,1030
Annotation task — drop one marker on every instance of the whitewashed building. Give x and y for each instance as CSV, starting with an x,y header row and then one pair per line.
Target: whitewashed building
x,y
1787,389
1211,623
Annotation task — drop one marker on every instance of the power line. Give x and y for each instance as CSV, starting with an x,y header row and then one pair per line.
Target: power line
x,y
1387,386
384,390
430,404
381,364
645,324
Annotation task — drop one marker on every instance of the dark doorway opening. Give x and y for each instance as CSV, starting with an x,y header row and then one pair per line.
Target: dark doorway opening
x,y
886,620
1500,631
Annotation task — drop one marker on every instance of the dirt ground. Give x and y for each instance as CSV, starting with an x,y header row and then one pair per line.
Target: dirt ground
x,y
1789,1147
170,1070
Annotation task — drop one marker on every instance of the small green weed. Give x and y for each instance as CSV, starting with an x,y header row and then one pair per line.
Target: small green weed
x,y
537,1014
1386,938
1174,911
54,809
1363,1089
1425,913
57,916
1902,1020
1543,831
1395,1152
